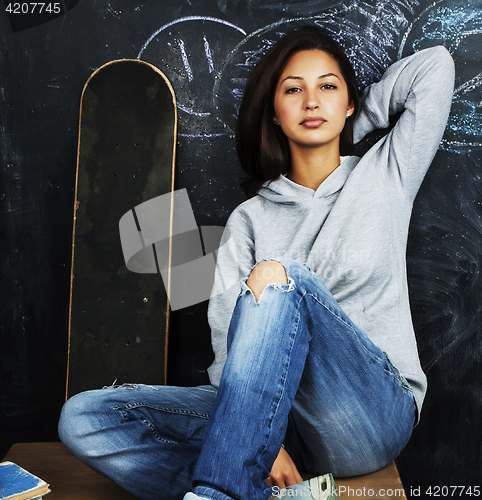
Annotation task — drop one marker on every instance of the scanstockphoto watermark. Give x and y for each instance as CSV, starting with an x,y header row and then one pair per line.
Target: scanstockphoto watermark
x,y
371,492
367,492
161,236
303,492
350,256
346,491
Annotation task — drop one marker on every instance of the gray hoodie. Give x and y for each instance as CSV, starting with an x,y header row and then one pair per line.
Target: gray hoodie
x,y
352,231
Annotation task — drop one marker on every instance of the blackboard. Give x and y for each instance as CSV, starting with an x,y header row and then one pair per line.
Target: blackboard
x,y
207,48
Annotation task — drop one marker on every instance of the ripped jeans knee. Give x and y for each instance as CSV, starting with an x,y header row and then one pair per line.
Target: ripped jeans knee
x,y
270,272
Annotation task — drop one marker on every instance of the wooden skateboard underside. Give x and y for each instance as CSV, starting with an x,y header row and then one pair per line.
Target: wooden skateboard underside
x,y
119,320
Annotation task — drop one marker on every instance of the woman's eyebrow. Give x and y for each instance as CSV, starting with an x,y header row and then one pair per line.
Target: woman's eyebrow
x,y
292,77
329,74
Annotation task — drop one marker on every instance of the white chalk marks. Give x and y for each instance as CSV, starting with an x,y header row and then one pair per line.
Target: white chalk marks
x,y
189,51
208,60
185,60
457,25
209,57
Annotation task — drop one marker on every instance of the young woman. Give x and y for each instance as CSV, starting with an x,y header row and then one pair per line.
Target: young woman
x,y
316,364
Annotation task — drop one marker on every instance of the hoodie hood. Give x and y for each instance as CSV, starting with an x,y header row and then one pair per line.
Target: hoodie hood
x,y
284,191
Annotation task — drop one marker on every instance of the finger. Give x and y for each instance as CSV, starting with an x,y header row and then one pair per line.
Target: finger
x,y
278,479
292,477
296,476
299,479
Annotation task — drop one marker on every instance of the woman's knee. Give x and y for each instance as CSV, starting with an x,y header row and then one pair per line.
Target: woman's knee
x,y
78,419
265,273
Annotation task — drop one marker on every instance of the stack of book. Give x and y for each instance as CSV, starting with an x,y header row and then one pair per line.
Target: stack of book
x,y
18,484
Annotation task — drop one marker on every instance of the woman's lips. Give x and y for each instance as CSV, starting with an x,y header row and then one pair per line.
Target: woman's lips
x,y
313,121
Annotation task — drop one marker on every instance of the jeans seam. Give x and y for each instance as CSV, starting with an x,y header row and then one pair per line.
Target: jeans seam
x,y
123,413
333,313
177,411
155,432
285,375
396,373
152,428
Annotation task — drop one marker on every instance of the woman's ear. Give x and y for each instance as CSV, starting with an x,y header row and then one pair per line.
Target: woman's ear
x,y
350,110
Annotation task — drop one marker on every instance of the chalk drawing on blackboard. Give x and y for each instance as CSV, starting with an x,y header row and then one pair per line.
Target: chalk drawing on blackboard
x,y
185,61
369,33
208,60
458,26
209,57
189,50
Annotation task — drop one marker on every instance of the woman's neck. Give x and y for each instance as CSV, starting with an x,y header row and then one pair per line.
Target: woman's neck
x,y
310,167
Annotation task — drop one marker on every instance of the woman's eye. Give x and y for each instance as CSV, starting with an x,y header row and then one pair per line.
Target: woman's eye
x,y
292,90
328,86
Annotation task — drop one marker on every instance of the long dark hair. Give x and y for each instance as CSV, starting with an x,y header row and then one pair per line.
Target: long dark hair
x,y
262,147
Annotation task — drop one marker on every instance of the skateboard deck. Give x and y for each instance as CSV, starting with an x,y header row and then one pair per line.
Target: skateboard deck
x,y
119,320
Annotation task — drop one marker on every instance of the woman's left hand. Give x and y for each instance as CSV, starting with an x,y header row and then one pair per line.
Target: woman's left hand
x,y
284,472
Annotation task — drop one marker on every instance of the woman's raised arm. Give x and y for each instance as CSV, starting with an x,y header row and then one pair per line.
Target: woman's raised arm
x,y
420,87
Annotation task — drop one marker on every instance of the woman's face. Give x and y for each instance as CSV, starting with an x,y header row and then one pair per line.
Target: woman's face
x,y
311,100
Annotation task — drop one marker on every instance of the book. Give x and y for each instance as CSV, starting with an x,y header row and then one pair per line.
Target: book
x,y
18,484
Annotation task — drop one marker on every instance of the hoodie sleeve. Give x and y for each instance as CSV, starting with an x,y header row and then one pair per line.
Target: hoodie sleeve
x,y
235,259
420,87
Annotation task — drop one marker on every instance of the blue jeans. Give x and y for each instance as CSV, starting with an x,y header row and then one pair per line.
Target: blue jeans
x,y
298,372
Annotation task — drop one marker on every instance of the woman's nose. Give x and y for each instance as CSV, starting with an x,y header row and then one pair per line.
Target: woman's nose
x,y
311,101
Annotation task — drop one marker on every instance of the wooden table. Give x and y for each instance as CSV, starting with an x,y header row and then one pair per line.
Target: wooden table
x,y
70,479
